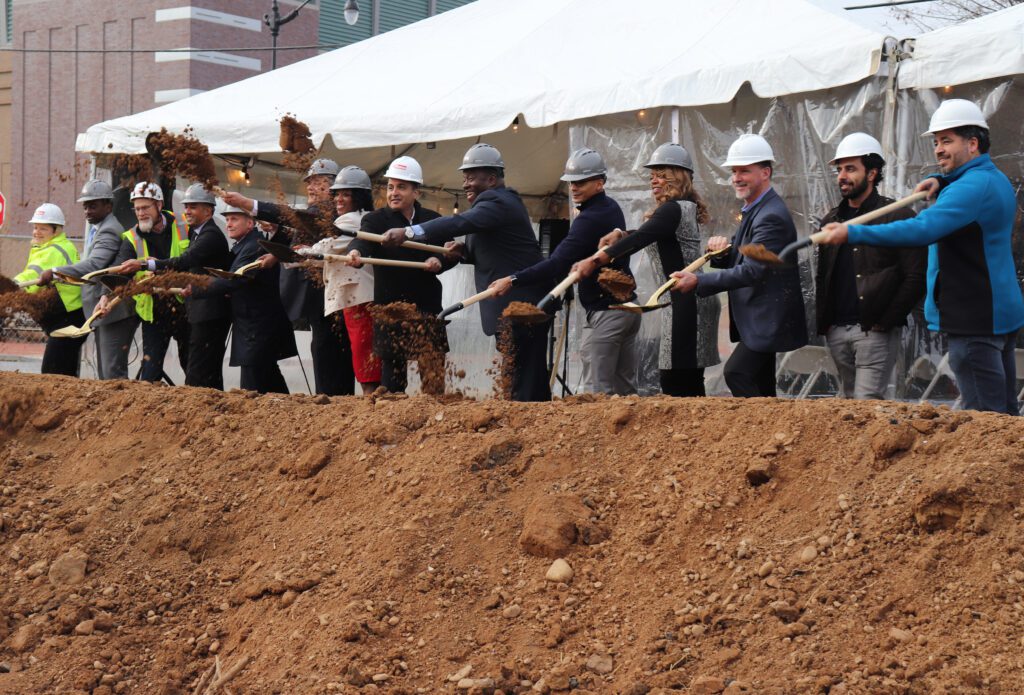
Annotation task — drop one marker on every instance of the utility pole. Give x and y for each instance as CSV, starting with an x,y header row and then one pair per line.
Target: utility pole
x,y
274,20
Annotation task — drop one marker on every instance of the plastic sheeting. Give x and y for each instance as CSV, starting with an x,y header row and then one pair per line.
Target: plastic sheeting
x,y
803,131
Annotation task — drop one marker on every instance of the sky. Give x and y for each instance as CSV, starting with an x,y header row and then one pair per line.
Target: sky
x,y
880,18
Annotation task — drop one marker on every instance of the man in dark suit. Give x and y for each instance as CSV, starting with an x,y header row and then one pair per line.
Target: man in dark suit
x,y
209,318
766,308
331,350
113,334
499,241
262,334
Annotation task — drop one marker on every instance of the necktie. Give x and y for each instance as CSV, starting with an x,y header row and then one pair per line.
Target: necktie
x,y
89,237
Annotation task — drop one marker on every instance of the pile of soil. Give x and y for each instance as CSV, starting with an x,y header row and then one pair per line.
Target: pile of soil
x,y
417,336
8,285
295,135
39,306
759,252
184,155
410,545
129,169
616,283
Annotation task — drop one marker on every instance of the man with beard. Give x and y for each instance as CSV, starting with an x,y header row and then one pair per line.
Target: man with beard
x,y
114,331
766,307
157,235
973,293
209,318
499,241
864,293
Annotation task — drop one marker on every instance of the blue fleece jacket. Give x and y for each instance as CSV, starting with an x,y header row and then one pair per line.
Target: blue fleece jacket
x,y
972,282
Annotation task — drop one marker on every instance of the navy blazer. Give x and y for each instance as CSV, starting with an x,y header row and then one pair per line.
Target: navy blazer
x,y
260,330
499,241
766,307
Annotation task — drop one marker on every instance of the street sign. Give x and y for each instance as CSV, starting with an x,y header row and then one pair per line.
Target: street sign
x,y
3,209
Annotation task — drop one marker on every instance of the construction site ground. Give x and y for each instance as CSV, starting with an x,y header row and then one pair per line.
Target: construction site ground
x,y
185,541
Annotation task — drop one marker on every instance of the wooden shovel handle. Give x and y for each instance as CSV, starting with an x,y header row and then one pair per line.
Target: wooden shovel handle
x,y
478,297
561,287
407,244
101,271
692,268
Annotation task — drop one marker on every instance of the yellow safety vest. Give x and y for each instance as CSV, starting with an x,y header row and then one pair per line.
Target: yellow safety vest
x,y
54,253
179,242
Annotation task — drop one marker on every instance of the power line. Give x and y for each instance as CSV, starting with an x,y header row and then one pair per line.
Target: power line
x,y
169,50
895,3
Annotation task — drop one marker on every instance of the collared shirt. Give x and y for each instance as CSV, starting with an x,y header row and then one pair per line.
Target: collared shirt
x,y
756,200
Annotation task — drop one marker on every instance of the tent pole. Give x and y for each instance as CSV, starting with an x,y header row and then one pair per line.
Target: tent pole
x,y
675,124
893,55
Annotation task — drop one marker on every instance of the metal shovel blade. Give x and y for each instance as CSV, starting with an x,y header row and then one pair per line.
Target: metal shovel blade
x,y
281,252
112,282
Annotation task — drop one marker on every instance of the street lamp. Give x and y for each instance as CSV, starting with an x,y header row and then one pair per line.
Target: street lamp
x,y
351,12
274,20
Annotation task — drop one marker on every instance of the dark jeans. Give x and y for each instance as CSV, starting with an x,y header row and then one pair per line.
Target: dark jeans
x,y
750,374
332,356
986,372
683,383
263,378
156,337
206,343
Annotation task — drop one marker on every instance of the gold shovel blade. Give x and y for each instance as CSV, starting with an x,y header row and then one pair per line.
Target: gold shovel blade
x,y
70,332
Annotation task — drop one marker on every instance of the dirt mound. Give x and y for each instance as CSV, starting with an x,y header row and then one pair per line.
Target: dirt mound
x,y
410,545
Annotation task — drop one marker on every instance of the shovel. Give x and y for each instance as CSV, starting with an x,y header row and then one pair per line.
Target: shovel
x,y
652,303
86,329
377,238
101,271
286,254
233,274
468,301
68,279
789,253
558,290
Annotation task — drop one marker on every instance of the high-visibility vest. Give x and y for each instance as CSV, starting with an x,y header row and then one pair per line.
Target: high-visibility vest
x,y
54,253
179,242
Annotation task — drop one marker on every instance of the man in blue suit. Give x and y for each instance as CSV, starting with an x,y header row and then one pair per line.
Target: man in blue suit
x,y
766,308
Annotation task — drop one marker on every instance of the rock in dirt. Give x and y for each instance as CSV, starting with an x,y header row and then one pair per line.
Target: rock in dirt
x,y
601,664
69,568
560,571
888,439
25,638
553,523
707,685
314,460
44,422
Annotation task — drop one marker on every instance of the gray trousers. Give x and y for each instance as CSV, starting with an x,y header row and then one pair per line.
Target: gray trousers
x,y
609,352
864,360
113,341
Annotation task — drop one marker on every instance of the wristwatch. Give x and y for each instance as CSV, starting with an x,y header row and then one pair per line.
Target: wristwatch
x,y
409,233
513,280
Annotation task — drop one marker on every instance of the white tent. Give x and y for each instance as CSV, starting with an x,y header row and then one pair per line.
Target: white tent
x,y
472,70
988,47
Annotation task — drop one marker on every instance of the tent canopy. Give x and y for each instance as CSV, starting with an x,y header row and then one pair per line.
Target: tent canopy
x,y
472,70
983,48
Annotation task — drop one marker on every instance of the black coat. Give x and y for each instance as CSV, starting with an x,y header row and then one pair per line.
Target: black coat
x,y
499,242
400,284
301,298
766,307
207,248
261,331
890,279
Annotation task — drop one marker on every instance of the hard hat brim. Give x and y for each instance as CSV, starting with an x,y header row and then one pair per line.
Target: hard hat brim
x,y
929,133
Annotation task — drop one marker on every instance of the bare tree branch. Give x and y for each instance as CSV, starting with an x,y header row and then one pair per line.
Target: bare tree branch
x,y
943,12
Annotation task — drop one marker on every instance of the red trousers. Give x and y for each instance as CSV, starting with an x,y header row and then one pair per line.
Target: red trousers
x,y
360,334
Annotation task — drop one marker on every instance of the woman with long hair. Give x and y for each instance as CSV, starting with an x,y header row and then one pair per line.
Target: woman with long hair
x,y
689,328
350,290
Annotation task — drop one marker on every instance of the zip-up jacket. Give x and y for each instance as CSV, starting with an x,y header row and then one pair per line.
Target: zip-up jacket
x,y
972,282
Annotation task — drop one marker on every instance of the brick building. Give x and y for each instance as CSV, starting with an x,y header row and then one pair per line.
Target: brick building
x,y
111,66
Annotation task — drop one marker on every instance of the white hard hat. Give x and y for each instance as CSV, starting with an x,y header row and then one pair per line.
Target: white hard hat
x,y
48,213
405,169
857,145
749,149
954,113
322,167
145,189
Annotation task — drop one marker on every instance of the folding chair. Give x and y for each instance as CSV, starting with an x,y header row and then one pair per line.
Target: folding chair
x,y
810,360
